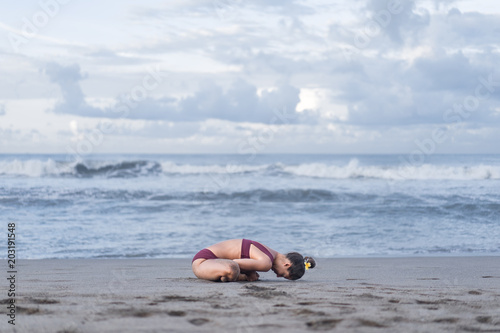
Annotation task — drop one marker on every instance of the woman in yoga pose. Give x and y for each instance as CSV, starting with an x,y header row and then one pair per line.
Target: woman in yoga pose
x,y
241,259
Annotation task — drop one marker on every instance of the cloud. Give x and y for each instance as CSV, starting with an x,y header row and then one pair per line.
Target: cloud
x,y
73,99
418,67
2,109
423,63
445,72
391,93
470,29
241,102
404,20
223,9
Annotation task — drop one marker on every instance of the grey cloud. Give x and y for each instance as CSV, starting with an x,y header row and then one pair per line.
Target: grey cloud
x,y
458,29
2,109
453,72
73,99
415,26
404,22
387,93
240,102
378,88
381,90
383,25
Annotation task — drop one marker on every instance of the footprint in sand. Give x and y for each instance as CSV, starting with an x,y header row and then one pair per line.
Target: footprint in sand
x,y
263,292
41,300
30,311
483,319
198,321
368,296
370,323
307,303
323,324
280,305
446,320
176,298
307,312
176,313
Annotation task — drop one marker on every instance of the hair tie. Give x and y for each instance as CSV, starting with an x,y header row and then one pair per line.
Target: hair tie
x,y
307,264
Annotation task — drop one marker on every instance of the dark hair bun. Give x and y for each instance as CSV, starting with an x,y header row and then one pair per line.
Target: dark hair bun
x,y
311,261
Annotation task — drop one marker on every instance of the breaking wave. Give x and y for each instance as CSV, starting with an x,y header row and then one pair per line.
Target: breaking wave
x,y
143,168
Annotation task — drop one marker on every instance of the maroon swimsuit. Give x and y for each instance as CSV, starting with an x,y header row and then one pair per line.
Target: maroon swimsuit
x,y
245,251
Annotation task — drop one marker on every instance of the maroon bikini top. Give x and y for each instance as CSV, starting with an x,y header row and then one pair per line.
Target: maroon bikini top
x,y
245,249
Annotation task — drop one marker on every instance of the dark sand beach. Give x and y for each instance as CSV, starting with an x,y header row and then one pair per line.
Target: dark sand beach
x,y
431,294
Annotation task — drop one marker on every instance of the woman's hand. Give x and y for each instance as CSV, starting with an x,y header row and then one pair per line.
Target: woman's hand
x,y
252,276
249,276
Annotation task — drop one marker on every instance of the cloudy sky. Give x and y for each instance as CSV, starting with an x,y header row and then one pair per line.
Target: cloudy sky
x,y
233,76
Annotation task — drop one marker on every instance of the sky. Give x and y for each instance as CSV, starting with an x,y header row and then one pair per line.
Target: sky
x,y
262,76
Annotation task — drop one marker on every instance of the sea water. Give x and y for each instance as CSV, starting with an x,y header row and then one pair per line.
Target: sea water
x,y
166,206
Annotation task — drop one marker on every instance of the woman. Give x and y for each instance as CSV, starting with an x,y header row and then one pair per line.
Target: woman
x,y
241,259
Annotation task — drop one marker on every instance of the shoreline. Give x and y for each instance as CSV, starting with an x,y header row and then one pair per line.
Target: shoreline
x,y
404,294
377,256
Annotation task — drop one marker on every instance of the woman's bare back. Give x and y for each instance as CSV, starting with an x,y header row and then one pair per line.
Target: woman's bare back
x,y
231,249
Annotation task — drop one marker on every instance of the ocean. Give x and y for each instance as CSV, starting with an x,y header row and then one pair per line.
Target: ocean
x,y
171,206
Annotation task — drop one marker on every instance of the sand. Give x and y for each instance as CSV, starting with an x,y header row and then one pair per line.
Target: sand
x,y
436,294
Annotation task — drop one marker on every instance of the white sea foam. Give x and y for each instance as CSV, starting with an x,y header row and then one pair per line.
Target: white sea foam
x,y
352,170
35,168
399,172
170,167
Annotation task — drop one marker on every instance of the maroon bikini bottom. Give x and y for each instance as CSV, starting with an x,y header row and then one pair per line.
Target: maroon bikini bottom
x,y
204,254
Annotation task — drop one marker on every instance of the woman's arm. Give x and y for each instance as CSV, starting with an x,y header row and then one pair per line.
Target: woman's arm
x,y
261,265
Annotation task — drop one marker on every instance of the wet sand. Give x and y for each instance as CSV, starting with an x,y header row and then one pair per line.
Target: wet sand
x,y
435,294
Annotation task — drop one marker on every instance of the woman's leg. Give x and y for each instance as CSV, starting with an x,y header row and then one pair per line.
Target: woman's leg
x,y
216,269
